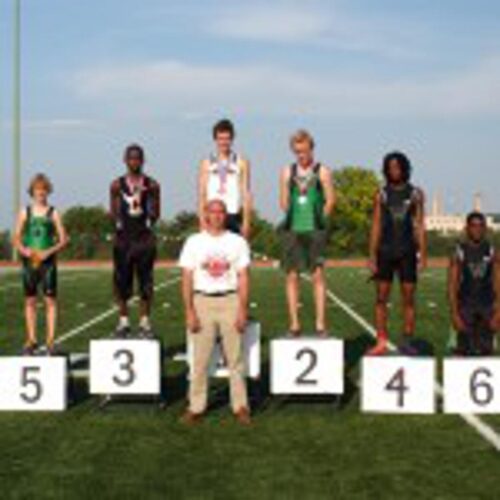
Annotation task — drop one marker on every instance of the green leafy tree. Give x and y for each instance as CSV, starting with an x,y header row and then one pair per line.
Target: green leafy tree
x,y
355,188
89,230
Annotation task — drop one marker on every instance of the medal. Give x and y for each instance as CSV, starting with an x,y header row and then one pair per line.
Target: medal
x,y
302,199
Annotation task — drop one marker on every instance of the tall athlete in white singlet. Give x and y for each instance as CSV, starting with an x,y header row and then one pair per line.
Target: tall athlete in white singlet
x,y
225,176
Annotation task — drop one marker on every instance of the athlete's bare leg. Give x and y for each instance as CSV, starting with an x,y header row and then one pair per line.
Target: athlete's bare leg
x,y
30,315
383,292
320,298
408,304
293,295
51,315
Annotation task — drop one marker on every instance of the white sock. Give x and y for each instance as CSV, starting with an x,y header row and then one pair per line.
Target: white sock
x,y
123,322
145,323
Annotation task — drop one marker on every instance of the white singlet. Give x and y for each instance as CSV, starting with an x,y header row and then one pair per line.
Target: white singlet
x,y
224,182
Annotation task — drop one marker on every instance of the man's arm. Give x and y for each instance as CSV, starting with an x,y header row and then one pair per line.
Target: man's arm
x,y
243,295
192,321
62,237
326,179
375,232
155,208
420,229
202,191
453,285
246,197
114,200
496,283
17,241
284,189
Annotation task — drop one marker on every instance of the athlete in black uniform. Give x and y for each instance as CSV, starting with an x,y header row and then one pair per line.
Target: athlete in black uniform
x,y
474,290
397,246
135,207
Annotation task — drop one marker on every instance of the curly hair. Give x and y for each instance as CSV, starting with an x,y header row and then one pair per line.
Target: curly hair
x,y
403,162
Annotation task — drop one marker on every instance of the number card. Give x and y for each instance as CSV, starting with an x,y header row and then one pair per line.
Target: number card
x,y
398,385
33,384
251,354
471,385
307,366
129,367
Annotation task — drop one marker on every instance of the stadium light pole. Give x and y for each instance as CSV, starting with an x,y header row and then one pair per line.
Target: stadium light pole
x,y
16,115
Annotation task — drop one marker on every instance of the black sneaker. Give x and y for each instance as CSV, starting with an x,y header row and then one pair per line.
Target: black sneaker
x,y
51,350
121,332
406,345
146,333
30,349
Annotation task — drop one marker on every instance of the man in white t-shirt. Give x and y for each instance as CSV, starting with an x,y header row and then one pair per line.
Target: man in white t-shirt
x,y
215,265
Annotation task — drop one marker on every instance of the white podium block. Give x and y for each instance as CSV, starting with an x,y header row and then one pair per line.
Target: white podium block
x,y
398,385
33,383
125,367
471,385
307,366
251,354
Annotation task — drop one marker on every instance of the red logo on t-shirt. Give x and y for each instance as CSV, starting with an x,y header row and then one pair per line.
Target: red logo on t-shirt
x,y
216,266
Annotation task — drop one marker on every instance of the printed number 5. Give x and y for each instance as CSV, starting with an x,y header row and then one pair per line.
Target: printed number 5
x,y
28,379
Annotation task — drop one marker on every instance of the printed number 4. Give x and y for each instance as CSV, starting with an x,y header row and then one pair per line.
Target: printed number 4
x,y
397,384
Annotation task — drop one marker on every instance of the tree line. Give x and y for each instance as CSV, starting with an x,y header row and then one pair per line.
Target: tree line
x,y
90,228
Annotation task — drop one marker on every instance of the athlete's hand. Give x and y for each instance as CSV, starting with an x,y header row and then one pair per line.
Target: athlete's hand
x,y
422,264
245,231
241,321
495,322
372,266
43,256
458,322
192,321
25,252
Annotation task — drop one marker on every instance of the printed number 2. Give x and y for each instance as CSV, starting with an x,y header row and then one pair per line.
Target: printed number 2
x,y
397,384
28,379
313,361
125,368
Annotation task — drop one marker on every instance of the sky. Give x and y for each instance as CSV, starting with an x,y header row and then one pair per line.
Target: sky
x,y
364,77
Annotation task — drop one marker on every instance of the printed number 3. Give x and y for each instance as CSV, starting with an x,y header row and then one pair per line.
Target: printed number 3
x,y
125,368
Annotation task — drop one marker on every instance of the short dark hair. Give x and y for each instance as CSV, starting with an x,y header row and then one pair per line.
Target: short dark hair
x,y
222,126
403,162
134,148
479,216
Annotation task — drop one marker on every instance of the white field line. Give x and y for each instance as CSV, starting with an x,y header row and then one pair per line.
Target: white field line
x,y
481,427
106,314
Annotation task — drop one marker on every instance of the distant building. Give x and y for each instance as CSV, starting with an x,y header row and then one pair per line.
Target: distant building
x,y
439,221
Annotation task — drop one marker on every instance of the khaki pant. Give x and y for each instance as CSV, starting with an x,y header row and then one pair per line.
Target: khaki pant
x,y
217,315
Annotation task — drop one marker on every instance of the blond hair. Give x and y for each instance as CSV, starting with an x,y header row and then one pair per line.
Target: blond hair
x,y
301,136
40,179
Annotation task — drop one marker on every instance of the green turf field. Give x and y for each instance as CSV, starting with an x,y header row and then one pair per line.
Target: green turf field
x,y
298,448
